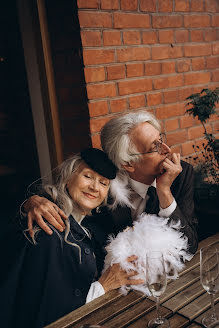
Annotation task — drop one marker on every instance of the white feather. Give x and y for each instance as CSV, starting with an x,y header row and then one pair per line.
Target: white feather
x,y
148,233
120,191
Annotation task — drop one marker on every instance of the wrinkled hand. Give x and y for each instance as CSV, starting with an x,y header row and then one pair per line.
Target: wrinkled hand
x,y
39,208
115,277
171,168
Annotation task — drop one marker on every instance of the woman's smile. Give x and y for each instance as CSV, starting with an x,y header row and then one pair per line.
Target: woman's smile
x,y
89,195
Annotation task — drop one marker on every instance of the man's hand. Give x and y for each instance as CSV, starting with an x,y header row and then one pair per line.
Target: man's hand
x,y
114,277
39,208
171,168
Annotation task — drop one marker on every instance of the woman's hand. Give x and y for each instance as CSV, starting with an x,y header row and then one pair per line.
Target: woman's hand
x,y
114,277
39,209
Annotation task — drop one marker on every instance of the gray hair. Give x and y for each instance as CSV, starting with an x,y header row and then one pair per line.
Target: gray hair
x,y
59,194
115,139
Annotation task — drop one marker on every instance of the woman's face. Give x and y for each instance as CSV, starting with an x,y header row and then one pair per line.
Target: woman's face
x,y
87,188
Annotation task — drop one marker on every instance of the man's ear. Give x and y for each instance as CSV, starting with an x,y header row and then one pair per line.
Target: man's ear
x,y
128,167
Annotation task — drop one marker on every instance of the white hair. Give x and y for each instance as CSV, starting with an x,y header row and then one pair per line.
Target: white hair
x,y
115,136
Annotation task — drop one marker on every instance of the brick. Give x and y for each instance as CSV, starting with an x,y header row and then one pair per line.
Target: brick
x,y
115,72
166,52
195,132
111,38
168,67
94,74
88,4
184,93
170,96
197,50
97,123
137,101
118,105
197,5
129,4
149,37
182,35
186,121
187,148
215,128
176,149
160,52
152,68
176,52
109,4
196,35
196,21
166,36
182,5
215,49
129,20
215,20
90,38
94,56
148,5
98,108
95,139
197,78
168,82
211,6
133,54
210,35
101,90
131,37
215,76
198,64
165,6
154,99
133,70
183,65
212,62
166,21
94,19
171,125
178,137
134,86
168,111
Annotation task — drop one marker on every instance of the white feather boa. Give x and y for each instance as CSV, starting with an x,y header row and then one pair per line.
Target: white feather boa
x,y
149,232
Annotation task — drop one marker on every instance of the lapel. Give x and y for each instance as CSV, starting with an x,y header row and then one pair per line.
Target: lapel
x,y
76,229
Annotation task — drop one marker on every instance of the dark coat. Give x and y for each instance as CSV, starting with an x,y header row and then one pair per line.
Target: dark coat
x,y
41,283
182,190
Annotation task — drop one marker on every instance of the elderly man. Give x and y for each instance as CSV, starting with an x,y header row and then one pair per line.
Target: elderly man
x,y
151,179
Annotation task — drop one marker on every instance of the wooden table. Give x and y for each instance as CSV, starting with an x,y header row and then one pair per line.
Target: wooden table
x,y
184,303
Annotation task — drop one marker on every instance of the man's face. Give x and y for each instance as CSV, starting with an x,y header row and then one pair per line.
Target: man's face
x,y
145,136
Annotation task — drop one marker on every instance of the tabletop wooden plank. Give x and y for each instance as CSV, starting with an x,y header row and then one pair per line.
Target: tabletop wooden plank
x,y
132,314
184,297
197,307
178,285
107,312
142,319
194,325
206,313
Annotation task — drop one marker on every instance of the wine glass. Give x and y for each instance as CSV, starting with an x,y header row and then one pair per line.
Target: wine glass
x,y
156,281
209,276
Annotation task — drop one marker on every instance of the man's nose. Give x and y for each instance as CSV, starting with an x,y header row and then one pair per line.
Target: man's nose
x,y
165,149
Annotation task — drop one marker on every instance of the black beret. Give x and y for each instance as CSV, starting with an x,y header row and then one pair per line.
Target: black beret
x,y
99,162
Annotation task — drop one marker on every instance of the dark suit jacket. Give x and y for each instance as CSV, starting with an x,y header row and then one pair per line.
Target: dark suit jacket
x,y
182,190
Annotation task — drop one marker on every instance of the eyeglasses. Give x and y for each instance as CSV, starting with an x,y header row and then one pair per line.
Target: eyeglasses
x,y
157,146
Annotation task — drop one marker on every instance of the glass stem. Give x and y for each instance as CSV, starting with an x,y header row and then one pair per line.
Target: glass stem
x,y
213,306
158,307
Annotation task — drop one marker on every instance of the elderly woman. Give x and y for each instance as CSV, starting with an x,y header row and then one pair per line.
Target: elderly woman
x,y
49,276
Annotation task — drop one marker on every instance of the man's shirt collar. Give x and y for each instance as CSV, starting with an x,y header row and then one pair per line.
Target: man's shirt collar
x,y
140,188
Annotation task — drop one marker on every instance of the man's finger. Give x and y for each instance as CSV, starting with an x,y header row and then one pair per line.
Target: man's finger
x,y
57,218
63,215
30,225
42,224
132,258
52,219
134,281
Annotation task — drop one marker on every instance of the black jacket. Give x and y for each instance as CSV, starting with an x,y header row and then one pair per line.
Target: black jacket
x,y
41,283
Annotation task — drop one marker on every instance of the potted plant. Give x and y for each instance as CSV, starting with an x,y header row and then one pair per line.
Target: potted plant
x,y
206,162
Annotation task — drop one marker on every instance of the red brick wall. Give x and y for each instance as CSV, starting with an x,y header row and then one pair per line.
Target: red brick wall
x,y
150,54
